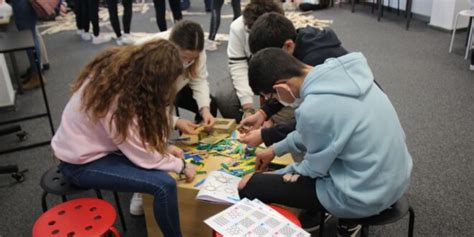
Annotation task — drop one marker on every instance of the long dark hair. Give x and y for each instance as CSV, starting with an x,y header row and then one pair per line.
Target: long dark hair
x,y
188,35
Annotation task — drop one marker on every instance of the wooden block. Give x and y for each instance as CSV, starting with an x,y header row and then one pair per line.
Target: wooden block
x,y
223,125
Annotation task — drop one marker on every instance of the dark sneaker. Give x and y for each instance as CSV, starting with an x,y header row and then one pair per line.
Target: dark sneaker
x,y
310,220
348,230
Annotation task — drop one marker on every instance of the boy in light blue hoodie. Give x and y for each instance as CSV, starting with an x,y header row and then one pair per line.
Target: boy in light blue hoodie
x,y
356,162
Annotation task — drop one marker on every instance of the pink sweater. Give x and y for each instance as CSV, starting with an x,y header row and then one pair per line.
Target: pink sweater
x,y
79,141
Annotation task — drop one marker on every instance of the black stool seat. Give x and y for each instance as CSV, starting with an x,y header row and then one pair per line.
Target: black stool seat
x,y
54,182
390,215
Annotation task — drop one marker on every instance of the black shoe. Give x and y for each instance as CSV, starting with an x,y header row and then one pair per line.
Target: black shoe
x,y
348,230
310,220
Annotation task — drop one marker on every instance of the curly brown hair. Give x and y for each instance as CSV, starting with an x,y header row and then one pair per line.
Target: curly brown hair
x,y
136,85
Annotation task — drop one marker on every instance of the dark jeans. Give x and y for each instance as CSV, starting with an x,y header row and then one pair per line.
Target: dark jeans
x,y
227,101
185,100
25,19
216,15
115,172
160,9
270,188
126,19
90,14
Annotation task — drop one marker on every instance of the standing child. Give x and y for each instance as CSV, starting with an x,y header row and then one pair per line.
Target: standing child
x,y
124,38
114,129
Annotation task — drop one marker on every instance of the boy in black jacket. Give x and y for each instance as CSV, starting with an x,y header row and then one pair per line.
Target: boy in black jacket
x,y
310,45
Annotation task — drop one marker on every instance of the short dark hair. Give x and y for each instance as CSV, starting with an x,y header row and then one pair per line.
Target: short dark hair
x,y
271,30
271,65
256,8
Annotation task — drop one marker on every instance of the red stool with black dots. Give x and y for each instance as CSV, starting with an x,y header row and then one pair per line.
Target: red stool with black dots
x,y
287,214
83,217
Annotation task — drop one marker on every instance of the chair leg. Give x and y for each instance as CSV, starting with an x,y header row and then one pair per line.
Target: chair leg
x,y
365,231
321,223
411,223
44,205
374,2
380,9
119,210
454,33
408,9
398,8
469,42
353,5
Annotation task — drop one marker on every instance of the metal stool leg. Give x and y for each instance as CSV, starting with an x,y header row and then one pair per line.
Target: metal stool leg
x,y
469,42
321,223
379,2
353,5
365,231
411,223
44,205
98,193
119,210
454,33
408,9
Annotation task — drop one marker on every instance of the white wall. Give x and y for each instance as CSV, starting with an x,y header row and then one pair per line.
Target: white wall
x,y
421,7
444,12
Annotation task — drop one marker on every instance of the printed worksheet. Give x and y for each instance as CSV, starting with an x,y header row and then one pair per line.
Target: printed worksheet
x,y
253,218
219,187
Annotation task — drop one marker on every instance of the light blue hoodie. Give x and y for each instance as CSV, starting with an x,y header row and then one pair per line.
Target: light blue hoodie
x,y
352,139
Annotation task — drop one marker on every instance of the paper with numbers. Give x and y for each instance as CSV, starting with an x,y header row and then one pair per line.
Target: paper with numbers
x,y
253,218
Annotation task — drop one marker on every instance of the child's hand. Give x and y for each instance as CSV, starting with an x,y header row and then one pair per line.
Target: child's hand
x,y
175,151
207,117
290,177
264,158
190,172
254,121
186,126
252,138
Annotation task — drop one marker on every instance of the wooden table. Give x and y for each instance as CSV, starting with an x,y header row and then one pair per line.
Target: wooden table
x,y
192,212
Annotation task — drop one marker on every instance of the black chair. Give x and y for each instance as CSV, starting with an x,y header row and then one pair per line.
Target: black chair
x,y
391,215
55,183
13,169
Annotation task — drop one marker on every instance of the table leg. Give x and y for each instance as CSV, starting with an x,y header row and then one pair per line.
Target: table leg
x,y
45,98
16,75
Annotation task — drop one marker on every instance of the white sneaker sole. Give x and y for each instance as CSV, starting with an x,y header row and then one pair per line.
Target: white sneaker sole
x,y
471,67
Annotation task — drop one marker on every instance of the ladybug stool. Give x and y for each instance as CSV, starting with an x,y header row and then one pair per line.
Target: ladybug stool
x,y
83,217
287,214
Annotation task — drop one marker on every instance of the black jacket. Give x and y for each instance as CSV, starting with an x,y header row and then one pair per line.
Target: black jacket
x,y
313,46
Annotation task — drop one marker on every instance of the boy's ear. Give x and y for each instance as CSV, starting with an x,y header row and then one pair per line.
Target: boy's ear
x,y
289,46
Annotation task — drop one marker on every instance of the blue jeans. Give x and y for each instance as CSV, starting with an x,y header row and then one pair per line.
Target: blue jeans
x,y
25,19
115,172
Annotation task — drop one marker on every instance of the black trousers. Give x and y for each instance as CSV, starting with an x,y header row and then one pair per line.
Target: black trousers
x,y
270,188
216,15
160,10
78,12
114,19
89,13
185,100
